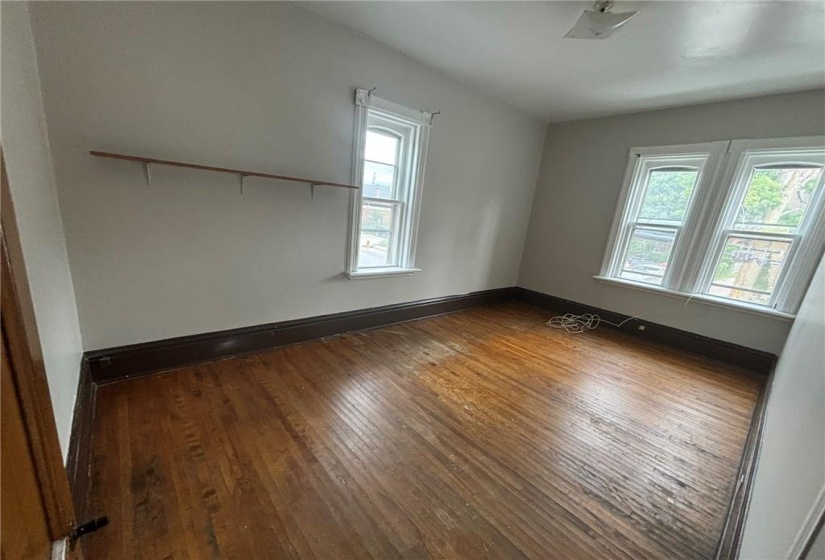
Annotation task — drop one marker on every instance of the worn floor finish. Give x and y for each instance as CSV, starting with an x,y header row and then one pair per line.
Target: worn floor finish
x,y
480,434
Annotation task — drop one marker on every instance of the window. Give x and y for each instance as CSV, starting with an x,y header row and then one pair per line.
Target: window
x,y
739,223
768,226
390,149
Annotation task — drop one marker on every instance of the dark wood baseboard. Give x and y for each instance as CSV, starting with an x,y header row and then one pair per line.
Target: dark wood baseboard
x,y
731,540
112,364
79,460
758,362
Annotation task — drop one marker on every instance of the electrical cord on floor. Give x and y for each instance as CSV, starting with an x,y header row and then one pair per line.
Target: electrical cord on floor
x,y
575,324
580,323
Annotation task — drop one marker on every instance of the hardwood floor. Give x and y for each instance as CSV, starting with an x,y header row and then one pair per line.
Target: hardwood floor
x,y
479,434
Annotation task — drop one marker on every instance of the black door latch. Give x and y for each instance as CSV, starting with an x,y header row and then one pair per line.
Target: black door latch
x,y
89,527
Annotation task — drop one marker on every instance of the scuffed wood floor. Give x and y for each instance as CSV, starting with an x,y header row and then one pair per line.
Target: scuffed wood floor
x,y
479,434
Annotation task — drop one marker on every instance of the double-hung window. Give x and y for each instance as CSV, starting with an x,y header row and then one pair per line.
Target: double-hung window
x,y
771,228
662,188
738,223
389,156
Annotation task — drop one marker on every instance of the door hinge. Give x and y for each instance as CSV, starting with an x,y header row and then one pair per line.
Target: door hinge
x,y
89,527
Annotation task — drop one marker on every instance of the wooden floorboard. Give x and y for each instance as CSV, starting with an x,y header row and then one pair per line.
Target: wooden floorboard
x,y
478,434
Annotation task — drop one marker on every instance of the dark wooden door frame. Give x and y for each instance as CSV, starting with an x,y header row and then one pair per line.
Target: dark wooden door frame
x,y
29,375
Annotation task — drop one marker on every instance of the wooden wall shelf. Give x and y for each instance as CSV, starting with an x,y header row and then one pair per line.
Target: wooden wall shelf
x,y
146,161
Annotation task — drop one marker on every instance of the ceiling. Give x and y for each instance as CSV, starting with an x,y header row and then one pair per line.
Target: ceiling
x,y
671,54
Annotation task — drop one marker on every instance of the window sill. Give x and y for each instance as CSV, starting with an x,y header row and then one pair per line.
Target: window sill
x,y
702,298
381,273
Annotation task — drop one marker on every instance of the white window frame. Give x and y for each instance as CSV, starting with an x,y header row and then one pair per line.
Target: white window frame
x,y
807,244
710,216
413,128
641,161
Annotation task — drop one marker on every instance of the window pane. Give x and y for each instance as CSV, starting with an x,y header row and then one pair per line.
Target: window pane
x,y
376,242
749,268
777,198
381,147
379,180
667,194
647,254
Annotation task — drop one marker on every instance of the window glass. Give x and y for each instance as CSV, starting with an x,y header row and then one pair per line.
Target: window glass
x,y
667,194
377,239
777,198
647,255
749,268
381,147
379,180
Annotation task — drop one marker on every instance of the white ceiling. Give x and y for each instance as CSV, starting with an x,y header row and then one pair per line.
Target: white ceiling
x,y
671,54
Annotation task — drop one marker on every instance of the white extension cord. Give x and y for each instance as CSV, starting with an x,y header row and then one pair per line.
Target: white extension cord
x,y
580,323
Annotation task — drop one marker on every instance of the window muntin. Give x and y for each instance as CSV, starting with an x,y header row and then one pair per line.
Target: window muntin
x,y
748,232
388,166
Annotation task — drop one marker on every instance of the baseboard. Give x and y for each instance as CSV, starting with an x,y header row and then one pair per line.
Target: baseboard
x,y
758,362
79,460
112,364
730,541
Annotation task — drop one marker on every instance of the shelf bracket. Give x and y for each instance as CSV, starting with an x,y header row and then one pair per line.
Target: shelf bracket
x,y
243,178
312,191
147,172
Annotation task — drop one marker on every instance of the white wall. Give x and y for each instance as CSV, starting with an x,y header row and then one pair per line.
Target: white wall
x,y
577,191
789,489
263,86
26,150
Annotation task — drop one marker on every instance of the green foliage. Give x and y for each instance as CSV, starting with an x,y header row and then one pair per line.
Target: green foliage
x,y
668,194
649,251
763,278
790,218
810,185
764,194
726,264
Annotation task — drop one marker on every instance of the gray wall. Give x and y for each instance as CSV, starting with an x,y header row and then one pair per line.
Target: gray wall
x,y
26,150
579,183
263,86
789,489
817,551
